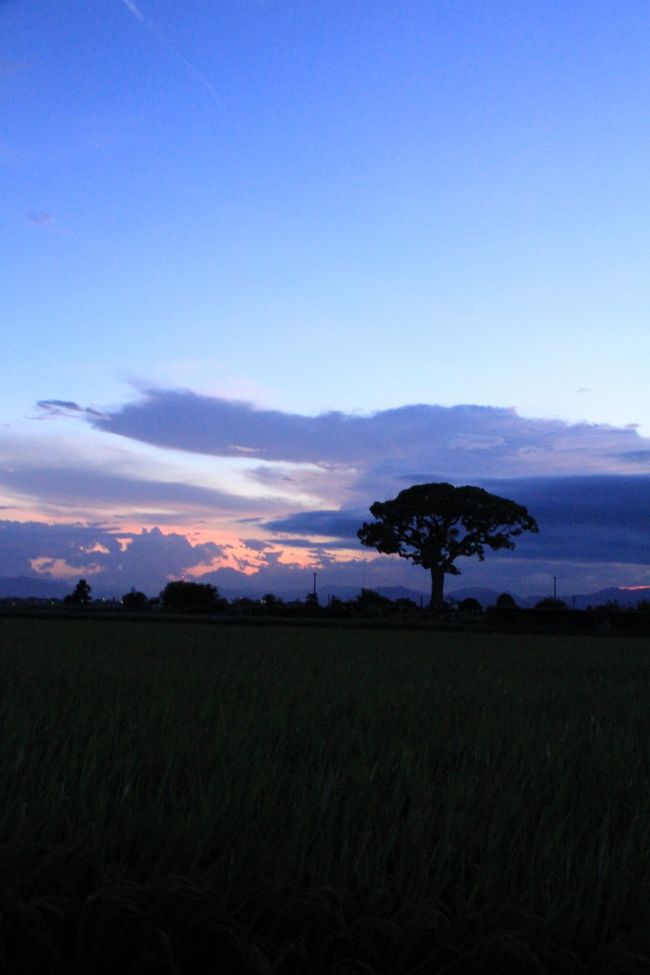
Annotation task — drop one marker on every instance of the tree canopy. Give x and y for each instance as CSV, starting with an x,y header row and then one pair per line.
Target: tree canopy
x,y
435,524
182,595
134,599
81,595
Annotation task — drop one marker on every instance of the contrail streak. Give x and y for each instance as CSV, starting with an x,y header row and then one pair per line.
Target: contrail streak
x,y
189,67
132,7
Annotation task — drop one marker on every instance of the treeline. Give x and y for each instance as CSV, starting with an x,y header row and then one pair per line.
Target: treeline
x,y
196,597
180,596
202,600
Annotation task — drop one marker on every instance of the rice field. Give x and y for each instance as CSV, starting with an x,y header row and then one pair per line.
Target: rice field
x,y
190,799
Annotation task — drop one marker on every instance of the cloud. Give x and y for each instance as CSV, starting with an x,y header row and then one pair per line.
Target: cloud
x,y
256,544
594,532
323,524
115,558
316,477
44,220
22,542
118,559
62,407
72,486
635,457
591,519
133,9
348,460
93,493
77,474
9,68
600,501
189,66
455,440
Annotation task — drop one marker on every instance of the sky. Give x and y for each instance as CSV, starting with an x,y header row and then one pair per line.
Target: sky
x,y
264,262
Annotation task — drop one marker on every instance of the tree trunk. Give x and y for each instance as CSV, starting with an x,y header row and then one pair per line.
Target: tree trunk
x,y
437,603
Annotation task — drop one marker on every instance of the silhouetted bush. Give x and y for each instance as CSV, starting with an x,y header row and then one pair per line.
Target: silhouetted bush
x,y
550,603
134,600
370,603
505,601
191,596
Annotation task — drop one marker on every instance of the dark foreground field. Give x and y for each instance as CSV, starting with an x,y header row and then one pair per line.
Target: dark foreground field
x,y
190,799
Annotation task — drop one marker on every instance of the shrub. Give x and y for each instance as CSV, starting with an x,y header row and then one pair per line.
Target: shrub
x,y
505,601
550,603
134,599
181,595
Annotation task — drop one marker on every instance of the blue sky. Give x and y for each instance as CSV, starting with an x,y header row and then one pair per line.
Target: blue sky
x,y
317,209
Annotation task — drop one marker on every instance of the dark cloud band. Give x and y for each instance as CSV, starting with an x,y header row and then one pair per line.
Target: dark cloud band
x,y
592,519
455,440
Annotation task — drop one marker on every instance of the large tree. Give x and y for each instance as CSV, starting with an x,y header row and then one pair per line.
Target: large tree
x,y
435,524
181,595
81,595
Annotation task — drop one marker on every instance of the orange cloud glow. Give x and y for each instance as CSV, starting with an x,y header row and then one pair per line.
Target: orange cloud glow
x,y
59,568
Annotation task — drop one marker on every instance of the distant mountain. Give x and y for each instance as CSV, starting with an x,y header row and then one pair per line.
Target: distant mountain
x,y
486,597
624,597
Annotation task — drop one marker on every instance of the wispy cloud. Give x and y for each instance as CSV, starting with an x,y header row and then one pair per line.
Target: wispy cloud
x,y
73,488
641,457
62,407
41,219
45,220
177,54
134,10
9,68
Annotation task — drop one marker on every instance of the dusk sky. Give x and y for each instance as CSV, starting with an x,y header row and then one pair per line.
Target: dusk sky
x,y
264,262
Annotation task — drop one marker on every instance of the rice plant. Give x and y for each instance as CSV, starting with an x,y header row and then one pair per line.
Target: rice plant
x,y
286,800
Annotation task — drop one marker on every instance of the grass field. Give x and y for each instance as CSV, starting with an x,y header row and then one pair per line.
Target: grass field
x,y
189,799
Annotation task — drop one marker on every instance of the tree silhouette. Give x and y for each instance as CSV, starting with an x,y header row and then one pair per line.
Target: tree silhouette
x,y
134,599
181,595
549,602
505,600
435,524
81,595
